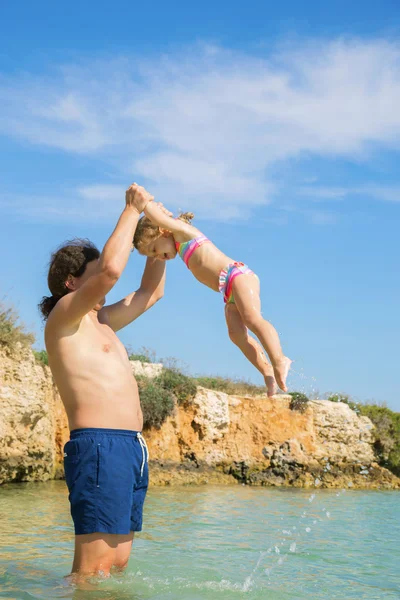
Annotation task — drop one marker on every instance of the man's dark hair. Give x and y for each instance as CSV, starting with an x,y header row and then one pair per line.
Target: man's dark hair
x,y
70,259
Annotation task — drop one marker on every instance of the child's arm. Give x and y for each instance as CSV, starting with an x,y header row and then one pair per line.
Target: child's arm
x,y
178,228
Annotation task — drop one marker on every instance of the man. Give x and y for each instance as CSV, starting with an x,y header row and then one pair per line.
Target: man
x,y
106,458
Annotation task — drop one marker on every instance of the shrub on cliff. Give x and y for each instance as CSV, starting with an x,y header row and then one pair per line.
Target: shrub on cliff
x,y
157,402
299,401
181,386
12,331
41,357
345,399
236,387
386,434
144,355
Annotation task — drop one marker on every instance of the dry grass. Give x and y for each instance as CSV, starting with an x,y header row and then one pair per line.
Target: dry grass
x,y
12,331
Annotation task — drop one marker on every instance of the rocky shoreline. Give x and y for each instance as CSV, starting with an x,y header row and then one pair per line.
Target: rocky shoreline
x,y
216,439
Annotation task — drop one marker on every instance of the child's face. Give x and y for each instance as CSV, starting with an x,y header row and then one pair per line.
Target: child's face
x,y
163,248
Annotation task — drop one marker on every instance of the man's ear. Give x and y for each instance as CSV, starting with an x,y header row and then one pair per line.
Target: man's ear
x,y
70,283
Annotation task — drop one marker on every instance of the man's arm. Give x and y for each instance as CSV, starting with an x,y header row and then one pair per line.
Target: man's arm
x,y
151,290
74,306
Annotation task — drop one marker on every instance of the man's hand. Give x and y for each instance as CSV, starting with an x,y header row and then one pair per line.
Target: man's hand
x,y
137,197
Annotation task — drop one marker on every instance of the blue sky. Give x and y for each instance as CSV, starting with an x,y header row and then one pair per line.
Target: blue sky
x,y
278,124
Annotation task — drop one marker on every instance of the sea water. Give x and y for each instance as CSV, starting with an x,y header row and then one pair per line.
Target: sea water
x,y
213,543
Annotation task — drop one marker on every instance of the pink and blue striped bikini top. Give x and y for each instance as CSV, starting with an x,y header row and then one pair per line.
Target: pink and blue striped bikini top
x,y
186,249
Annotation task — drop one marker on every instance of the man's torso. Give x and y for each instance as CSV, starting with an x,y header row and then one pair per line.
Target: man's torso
x,y
91,369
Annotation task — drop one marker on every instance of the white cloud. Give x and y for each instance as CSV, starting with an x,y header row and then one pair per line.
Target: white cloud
x,y
205,128
384,193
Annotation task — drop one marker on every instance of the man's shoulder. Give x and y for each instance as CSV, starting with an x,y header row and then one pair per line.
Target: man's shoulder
x,y
58,321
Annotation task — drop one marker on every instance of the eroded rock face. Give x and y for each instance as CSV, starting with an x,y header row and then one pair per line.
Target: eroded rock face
x,y
211,414
27,419
217,439
263,441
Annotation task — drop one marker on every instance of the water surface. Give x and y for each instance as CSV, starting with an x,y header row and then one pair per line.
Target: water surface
x,y
214,543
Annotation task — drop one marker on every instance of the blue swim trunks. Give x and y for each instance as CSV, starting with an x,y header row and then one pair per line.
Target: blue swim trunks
x,y
107,475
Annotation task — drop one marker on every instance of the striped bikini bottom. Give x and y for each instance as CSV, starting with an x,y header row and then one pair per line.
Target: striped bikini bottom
x,y
227,277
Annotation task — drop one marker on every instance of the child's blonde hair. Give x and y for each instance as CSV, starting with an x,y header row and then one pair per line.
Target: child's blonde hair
x,y
146,232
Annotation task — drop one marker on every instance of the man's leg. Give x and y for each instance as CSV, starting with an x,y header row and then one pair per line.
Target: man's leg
x,y
97,553
123,552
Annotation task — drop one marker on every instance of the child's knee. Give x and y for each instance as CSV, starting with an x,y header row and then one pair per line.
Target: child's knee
x,y
253,320
237,332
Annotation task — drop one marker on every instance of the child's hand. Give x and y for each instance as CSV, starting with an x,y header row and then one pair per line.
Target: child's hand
x,y
137,197
161,216
161,206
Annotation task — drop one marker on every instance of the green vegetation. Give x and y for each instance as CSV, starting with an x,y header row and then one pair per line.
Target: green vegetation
x,y
12,332
237,387
140,357
183,387
157,402
159,396
299,401
143,355
346,400
386,433
41,357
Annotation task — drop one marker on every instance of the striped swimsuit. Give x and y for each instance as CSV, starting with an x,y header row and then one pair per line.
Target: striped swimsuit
x,y
227,275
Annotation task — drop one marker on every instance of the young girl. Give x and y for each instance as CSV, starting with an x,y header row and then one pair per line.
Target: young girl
x,y
160,236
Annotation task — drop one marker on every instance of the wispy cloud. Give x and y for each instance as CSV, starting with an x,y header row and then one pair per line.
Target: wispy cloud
x,y
205,128
383,193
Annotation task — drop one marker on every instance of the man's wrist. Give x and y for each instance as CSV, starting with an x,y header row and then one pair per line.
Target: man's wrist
x,y
132,211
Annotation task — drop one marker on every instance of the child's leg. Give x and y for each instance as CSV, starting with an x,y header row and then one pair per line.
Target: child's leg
x,y
246,291
250,347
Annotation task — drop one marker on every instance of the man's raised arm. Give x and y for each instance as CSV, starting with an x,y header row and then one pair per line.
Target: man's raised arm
x,y
83,297
151,290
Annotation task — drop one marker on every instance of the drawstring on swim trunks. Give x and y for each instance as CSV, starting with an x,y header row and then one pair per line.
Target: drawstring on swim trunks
x,y
145,452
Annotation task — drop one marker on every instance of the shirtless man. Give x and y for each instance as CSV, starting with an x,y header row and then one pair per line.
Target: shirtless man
x,y
106,458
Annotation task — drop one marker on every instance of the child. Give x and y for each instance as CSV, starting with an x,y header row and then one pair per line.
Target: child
x,y
160,236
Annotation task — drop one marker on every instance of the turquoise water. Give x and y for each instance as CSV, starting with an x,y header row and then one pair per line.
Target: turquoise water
x,y
214,543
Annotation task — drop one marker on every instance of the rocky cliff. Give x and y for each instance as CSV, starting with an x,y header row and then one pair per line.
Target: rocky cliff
x,y
216,439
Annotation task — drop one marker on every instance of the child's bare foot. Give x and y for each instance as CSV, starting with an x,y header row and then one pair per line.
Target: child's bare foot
x,y
270,382
281,370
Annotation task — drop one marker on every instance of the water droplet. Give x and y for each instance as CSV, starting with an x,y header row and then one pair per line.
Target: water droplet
x,y
317,482
277,551
328,514
308,529
293,547
311,498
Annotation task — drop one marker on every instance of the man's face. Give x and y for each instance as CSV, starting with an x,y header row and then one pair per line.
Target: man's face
x,y
78,282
